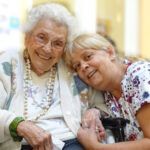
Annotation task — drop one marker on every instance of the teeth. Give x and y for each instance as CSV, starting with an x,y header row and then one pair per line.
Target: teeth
x,y
91,73
44,57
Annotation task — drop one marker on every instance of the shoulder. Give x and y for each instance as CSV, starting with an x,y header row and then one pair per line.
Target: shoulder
x,y
136,81
8,55
136,84
137,73
139,68
9,59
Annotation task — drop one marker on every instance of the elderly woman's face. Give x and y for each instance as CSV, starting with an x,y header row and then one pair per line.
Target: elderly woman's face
x,y
45,45
94,67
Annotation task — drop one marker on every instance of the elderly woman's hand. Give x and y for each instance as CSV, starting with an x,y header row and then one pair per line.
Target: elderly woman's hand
x,y
35,136
88,138
91,119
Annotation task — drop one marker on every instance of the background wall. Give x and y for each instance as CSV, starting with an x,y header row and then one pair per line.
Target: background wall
x,y
113,13
68,3
109,12
145,28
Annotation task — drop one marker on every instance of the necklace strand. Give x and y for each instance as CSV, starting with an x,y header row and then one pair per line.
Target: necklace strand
x,y
29,84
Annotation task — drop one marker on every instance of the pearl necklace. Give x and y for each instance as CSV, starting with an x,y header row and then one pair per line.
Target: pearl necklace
x,y
49,90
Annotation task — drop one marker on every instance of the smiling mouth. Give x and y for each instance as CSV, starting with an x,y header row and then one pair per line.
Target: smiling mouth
x,y
91,74
44,57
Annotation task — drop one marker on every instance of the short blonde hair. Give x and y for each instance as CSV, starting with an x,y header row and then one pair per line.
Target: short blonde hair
x,y
86,41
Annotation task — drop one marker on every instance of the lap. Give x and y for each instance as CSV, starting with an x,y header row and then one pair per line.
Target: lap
x,y
72,144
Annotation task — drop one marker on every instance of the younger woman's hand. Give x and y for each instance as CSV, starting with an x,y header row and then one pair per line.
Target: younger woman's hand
x,y
91,119
88,138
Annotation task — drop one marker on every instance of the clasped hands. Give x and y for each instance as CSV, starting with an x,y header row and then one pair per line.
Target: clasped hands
x,y
91,130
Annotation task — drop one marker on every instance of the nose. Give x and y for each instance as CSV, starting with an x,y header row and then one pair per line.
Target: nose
x,y
84,66
47,47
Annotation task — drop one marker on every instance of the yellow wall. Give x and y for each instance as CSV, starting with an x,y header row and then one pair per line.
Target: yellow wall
x,y
68,3
23,12
112,12
145,28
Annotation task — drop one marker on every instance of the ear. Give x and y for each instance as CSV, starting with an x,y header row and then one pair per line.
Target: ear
x,y
111,52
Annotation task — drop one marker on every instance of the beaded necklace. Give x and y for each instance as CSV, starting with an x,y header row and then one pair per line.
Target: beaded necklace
x,y
29,84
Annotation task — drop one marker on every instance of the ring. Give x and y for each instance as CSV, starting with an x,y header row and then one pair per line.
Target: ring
x,y
96,129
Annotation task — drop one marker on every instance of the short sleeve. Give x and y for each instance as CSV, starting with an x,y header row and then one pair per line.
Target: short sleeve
x,y
138,89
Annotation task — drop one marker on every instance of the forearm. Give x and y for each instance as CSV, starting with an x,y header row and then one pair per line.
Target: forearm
x,y
143,144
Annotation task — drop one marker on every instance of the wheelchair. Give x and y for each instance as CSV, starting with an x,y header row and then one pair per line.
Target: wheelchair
x,y
116,125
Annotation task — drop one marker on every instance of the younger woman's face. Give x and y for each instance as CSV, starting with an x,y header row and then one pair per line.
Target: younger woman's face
x,y
94,67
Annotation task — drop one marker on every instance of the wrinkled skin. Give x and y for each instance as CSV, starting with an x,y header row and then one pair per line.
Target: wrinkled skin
x,y
45,45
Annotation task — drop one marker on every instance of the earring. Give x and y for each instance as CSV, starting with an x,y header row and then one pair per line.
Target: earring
x,y
113,58
25,54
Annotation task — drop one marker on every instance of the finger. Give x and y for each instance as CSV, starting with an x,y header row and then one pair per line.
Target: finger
x,y
48,143
84,123
93,124
35,148
99,129
102,135
98,136
41,147
80,132
100,126
99,123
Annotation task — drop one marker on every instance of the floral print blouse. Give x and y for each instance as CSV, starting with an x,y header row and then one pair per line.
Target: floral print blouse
x,y
135,93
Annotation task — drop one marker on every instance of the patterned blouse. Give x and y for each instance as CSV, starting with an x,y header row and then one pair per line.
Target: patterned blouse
x,y
135,93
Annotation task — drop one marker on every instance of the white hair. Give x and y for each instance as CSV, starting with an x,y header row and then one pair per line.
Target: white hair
x,y
55,12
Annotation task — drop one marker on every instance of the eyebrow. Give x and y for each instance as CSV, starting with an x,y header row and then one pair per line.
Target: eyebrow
x,y
85,52
44,31
63,39
76,62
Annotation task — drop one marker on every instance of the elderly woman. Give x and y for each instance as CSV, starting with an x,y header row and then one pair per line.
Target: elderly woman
x,y
125,85
39,102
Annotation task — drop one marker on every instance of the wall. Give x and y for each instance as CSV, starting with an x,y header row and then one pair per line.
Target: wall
x,y
112,12
68,3
145,28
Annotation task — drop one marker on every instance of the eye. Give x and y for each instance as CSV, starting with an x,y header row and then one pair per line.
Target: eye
x,y
58,44
76,67
41,37
88,56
